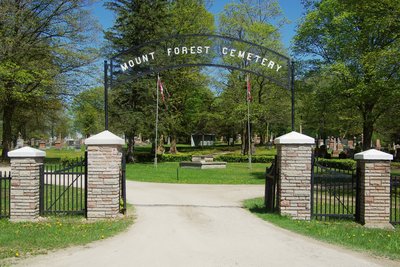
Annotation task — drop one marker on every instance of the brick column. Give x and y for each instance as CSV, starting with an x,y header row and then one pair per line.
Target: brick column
x,y
104,161
374,168
294,183
25,172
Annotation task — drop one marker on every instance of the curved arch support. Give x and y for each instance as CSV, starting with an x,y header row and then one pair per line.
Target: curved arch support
x,y
199,50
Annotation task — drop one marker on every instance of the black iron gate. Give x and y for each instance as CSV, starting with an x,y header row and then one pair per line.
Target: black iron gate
x,y
63,188
334,193
395,199
5,185
271,186
122,185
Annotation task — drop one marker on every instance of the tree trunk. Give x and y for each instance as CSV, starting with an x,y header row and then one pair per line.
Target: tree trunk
x,y
160,147
131,147
8,113
173,149
368,128
245,142
253,144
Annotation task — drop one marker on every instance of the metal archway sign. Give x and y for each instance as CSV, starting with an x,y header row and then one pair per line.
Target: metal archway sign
x,y
198,50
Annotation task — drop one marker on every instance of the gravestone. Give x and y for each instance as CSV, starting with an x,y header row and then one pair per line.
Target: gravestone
x,y
345,142
58,142
332,143
32,142
20,143
340,147
326,143
350,144
378,144
42,144
397,154
203,162
320,142
239,139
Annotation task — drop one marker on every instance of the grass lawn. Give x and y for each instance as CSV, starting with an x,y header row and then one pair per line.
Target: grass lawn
x,y
27,238
169,172
349,234
53,154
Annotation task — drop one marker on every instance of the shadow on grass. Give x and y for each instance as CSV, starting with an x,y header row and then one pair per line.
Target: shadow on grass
x,y
258,209
258,175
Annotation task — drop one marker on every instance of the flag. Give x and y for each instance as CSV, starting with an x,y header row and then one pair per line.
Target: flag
x,y
160,86
249,98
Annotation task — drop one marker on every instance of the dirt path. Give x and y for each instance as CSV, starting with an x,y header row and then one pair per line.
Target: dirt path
x,y
200,225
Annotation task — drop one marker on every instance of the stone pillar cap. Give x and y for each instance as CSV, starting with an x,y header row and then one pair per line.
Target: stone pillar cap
x,y
26,152
373,154
294,138
105,138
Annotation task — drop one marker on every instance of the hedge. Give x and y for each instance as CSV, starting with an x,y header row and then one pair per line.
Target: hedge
x,y
344,164
146,157
242,158
63,161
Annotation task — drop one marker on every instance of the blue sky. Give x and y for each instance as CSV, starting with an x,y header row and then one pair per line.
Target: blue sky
x,y
292,9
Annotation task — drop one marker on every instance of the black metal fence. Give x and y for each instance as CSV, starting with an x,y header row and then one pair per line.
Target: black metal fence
x,y
5,185
395,199
122,185
271,186
63,188
333,193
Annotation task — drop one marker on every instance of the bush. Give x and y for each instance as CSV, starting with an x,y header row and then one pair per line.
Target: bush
x,y
147,157
344,164
175,158
242,158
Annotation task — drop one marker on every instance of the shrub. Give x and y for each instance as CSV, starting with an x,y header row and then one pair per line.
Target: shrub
x,y
175,158
344,164
147,157
242,158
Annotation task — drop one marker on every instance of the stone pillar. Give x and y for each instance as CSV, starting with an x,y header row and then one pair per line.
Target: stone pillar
x,y
374,168
104,162
294,184
25,172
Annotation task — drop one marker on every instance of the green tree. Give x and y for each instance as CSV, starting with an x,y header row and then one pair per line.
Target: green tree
x,y
356,46
185,85
88,111
44,43
258,22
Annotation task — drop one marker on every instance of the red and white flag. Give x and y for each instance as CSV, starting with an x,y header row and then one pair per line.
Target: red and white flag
x,y
249,98
160,86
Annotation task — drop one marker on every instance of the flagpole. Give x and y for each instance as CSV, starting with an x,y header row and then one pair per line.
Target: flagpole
x,y
156,141
248,121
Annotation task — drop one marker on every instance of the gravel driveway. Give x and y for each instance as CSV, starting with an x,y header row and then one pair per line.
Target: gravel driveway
x,y
201,225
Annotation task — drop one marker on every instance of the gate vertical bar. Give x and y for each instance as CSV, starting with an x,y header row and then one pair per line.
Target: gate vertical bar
x,y
41,190
292,89
105,95
312,185
9,194
5,196
86,181
123,184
